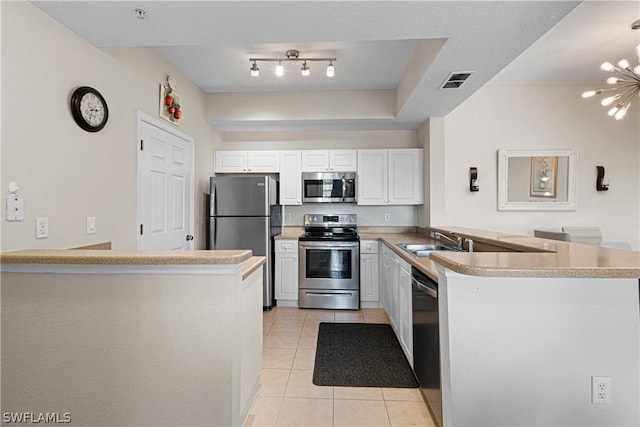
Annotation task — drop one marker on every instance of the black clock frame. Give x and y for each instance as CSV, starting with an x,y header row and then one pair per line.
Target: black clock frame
x,y
75,108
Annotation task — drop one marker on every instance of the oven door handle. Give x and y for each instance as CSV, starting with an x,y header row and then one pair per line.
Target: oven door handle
x,y
328,245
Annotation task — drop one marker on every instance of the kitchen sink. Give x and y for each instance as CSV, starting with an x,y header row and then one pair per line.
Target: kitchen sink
x,y
423,250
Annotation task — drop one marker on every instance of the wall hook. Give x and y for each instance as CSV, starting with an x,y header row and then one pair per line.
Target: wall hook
x,y
601,185
473,180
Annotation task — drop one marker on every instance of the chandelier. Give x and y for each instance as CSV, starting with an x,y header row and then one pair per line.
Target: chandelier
x,y
625,84
291,55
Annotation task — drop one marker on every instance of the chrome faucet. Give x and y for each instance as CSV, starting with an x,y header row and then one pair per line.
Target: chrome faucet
x,y
458,242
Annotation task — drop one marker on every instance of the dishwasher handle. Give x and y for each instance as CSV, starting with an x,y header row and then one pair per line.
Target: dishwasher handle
x,y
424,288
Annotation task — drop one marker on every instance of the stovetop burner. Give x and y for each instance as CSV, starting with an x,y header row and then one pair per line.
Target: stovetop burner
x,y
330,227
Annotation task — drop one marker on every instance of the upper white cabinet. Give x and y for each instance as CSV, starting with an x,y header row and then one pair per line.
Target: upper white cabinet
x,y
329,160
372,177
247,162
290,177
406,176
390,177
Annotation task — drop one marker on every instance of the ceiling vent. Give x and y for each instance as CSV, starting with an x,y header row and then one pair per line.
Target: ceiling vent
x,y
456,79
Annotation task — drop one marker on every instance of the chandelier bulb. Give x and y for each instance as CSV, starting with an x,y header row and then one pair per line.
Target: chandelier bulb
x,y
612,111
637,70
330,69
621,112
613,80
624,64
279,70
590,93
609,100
606,66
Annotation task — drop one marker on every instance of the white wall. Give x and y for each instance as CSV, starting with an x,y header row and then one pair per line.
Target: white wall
x,y
539,117
65,173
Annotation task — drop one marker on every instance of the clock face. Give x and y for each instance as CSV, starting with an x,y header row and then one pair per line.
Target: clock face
x,y
89,109
92,109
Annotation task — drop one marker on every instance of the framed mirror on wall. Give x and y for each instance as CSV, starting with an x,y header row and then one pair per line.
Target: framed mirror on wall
x,y
537,180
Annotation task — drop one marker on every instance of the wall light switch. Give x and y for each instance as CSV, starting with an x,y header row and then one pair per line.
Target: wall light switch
x,y
91,225
15,208
42,228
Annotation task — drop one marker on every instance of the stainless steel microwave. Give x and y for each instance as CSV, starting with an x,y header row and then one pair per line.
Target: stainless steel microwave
x,y
329,187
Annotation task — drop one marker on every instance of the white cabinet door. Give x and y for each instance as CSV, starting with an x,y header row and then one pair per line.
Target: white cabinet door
x,y
405,176
290,178
286,275
405,313
343,160
329,160
369,277
369,266
263,161
385,279
372,177
230,161
315,160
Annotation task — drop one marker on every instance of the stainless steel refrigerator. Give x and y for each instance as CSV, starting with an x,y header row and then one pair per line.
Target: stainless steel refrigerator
x,y
244,214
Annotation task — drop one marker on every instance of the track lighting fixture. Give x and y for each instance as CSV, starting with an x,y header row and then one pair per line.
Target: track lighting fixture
x,y
292,55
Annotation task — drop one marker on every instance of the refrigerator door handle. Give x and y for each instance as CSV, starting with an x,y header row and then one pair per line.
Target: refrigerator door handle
x,y
212,204
214,232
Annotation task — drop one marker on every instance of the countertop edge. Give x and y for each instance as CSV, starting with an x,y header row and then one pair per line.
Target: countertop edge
x,y
251,265
102,257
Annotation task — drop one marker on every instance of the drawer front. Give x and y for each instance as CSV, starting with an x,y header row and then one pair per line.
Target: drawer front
x,y
286,246
368,246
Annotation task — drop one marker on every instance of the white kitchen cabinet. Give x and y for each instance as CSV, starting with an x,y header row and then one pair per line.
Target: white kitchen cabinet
x,y
372,177
329,160
405,310
405,176
247,162
290,177
369,289
395,285
286,274
390,177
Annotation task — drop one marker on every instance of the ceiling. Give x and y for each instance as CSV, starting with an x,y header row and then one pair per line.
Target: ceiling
x,y
398,51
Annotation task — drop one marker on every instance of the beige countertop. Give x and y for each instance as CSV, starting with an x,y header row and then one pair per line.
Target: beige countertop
x,y
106,257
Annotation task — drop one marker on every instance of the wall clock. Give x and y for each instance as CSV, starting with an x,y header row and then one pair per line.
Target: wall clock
x,y
89,109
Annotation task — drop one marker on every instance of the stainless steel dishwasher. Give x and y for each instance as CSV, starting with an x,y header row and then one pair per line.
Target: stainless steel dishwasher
x,y
426,340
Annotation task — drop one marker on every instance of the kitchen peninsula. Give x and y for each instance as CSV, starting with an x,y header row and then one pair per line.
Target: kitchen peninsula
x,y
132,338
525,323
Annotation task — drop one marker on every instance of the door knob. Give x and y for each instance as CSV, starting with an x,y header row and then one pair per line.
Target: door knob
x,y
189,237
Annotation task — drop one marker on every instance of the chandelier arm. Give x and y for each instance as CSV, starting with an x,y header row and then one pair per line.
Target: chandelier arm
x,y
629,97
625,73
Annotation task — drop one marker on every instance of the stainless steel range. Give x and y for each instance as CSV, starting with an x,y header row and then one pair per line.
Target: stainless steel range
x,y
329,262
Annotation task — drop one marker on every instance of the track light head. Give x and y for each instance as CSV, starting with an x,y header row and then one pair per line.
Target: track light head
x,y
330,69
255,71
305,70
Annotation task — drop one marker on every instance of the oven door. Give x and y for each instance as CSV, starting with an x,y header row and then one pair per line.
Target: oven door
x,y
329,265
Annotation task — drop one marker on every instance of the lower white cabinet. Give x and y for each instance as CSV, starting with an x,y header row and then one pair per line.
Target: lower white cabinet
x,y
395,289
286,277
369,289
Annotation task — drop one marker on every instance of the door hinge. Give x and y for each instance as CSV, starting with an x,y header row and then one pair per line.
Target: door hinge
x,y
141,229
142,145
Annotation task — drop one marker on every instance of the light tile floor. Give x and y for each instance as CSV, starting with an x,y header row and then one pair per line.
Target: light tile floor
x,y
287,396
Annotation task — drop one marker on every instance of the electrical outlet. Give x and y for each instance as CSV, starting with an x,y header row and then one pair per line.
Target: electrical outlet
x,y
601,390
387,216
91,225
288,217
42,228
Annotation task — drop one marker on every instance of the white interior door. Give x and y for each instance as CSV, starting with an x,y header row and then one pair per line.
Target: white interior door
x,y
165,187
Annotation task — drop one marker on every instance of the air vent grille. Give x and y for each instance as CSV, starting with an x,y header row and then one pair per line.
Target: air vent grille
x,y
456,79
